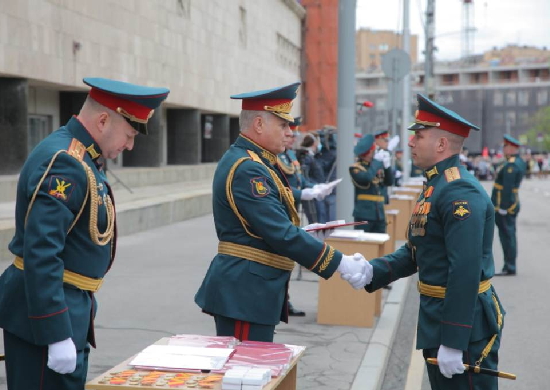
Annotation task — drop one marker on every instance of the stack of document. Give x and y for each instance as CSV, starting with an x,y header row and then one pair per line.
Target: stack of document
x,y
181,358
359,235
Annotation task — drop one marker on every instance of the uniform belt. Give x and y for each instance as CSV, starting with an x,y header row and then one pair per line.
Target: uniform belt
x,y
501,187
374,198
439,292
80,281
256,255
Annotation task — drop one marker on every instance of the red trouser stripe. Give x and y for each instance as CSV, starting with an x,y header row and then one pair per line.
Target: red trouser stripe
x,y
245,331
242,329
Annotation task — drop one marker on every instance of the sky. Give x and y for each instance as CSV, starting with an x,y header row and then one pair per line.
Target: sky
x,y
497,23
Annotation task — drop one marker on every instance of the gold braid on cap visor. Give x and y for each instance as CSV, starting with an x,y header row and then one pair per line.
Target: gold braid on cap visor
x,y
425,123
281,110
133,118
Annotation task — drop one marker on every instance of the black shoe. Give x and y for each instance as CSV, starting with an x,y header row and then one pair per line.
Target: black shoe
x,y
295,312
505,272
388,287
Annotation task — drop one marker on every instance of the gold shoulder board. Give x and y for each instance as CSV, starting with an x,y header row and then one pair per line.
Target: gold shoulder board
x,y
76,149
452,174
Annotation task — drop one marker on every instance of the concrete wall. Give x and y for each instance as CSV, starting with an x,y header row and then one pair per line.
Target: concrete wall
x,y
203,51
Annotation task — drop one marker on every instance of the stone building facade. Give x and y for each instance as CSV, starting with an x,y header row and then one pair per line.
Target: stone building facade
x,y
203,51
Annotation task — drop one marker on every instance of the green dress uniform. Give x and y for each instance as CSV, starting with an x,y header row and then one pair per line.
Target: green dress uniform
x,y
458,306
260,240
368,179
64,244
505,196
450,240
246,285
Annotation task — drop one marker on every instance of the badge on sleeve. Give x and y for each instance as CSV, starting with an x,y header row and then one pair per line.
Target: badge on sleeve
x,y
461,210
60,188
259,186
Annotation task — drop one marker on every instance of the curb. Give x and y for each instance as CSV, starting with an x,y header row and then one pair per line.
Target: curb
x,y
370,374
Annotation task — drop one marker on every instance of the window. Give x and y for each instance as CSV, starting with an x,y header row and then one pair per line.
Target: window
x,y
511,118
39,128
380,103
542,98
499,118
523,98
511,98
383,47
523,118
498,98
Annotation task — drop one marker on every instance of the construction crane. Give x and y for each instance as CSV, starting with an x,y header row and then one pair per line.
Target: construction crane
x,y
468,29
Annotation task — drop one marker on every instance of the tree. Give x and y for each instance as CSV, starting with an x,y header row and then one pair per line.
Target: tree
x,y
540,125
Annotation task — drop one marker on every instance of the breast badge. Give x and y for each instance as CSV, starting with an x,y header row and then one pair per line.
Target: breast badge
x,y
461,210
60,188
260,188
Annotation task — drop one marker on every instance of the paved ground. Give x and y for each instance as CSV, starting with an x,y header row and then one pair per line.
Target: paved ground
x,y
149,294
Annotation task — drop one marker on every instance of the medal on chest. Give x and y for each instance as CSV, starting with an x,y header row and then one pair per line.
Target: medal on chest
x,y
419,217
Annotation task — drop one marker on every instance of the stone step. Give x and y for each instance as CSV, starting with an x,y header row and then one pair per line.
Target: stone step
x,y
131,177
147,207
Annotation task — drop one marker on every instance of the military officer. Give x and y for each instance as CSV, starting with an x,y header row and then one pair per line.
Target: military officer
x,y
368,176
505,198
246,285
302,189
65,238
382,154
450,237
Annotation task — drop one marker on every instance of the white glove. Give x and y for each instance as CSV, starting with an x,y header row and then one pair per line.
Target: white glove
x,y
384,156
393,143
355,270
398,174
322,234
62,356
311,193
502,212
325,189
449,361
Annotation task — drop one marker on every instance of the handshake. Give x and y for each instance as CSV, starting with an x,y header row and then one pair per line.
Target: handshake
x,y
355,270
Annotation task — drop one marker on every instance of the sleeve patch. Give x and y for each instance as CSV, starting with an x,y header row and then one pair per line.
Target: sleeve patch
x,y
259,187
60,188
461,210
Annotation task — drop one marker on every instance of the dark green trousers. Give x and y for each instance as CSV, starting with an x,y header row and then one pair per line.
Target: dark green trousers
x,y
378,226
243,330
27,367
506,225
467,380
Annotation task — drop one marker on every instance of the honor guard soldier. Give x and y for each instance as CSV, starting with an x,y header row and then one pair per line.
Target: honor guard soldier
x,y
382,154
450,240
505,197
368,176
246,285
65,238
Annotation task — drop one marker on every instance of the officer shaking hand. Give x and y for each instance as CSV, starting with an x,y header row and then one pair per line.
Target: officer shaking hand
x,y
449,244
